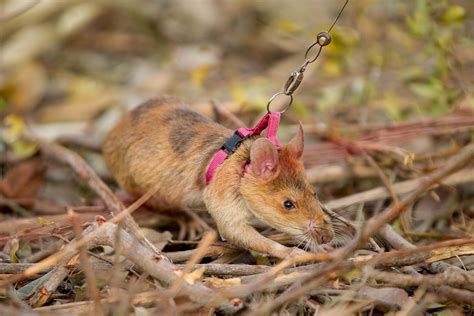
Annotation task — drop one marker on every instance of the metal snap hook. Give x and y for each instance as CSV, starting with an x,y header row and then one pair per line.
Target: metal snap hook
x,y
293,82
276,95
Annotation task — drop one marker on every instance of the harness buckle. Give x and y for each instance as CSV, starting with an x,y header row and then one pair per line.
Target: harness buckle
x,y
232,143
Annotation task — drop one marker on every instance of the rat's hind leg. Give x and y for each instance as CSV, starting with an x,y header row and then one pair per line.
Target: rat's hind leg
x,y
192,226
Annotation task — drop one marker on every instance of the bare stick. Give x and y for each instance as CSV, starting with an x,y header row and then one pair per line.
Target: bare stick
x,y
397,241
200,252
56,276
16,226
399,188
229,116
211,251
323,273
74,246
451,278
387,183
13,268
389,214
442,283
114,205
131,248
89,273
337,172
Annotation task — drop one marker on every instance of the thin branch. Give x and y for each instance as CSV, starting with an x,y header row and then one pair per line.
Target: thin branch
x,y
88,271
389,214
131,248
200,252
399,188
221,111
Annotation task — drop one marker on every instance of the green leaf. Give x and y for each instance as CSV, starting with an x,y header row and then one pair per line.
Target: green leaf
x,y
419,23
262,260
432,89
300,109
453,15
14,245
349,276
391,105
13,136
288,27
24,150
3,104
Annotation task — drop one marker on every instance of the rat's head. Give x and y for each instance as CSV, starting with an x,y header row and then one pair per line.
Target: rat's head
x,y
275,187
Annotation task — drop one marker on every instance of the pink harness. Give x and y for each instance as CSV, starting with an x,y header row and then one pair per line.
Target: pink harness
x,y
270,121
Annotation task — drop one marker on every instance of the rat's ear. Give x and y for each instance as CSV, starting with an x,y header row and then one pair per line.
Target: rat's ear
x,y
264,159
296,144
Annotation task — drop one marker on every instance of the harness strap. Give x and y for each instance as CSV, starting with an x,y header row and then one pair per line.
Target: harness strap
x,y
270,122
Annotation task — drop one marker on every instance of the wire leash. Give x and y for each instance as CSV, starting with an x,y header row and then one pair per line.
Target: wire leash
x,y
296,77
270,121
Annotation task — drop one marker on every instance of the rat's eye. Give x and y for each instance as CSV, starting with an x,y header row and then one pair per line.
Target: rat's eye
x,y
289,205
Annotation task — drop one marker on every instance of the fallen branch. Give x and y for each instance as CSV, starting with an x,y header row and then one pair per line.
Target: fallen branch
x,y
114,205
211,251
339,172
424,183
131,248
399,188
88,271
14,268
17,227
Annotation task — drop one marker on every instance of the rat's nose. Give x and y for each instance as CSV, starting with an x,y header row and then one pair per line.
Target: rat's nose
x,y
323,233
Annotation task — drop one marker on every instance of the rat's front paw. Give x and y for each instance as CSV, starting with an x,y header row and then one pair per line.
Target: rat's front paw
x,y
296,252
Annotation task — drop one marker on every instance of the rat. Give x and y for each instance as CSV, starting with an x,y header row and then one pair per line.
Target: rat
x,y
162,142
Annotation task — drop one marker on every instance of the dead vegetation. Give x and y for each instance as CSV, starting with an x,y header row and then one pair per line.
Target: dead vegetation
x,y
389,122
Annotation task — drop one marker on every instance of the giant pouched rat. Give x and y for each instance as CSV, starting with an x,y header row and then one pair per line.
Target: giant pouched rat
x,y
164,143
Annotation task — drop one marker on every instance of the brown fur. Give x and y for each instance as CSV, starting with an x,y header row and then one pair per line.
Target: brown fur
x,y
162,142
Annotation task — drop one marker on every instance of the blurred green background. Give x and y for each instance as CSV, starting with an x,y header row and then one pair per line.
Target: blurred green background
x,y
82,63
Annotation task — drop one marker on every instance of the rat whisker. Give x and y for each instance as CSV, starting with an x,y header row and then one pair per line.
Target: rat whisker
x,y
340,239
307,242
301,242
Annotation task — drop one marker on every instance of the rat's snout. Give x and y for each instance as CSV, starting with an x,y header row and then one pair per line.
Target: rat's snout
x,y
322,232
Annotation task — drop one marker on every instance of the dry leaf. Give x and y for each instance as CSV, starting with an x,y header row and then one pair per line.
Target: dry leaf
x,y
26,88
158,239
78,108
73,261
192,276
27,43
449,252
23,180
44,221
219,283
